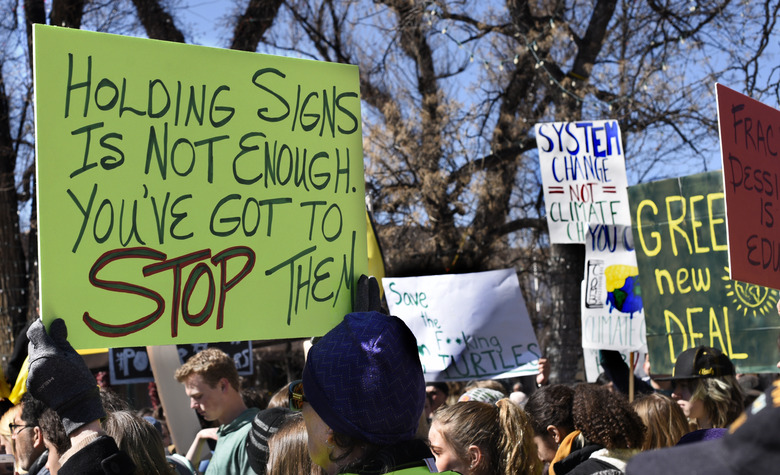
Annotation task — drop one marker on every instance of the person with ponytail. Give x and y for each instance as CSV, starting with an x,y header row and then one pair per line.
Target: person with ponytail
x,y
478,438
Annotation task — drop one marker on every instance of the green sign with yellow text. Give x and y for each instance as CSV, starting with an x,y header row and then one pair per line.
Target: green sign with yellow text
x,y
680,240
190,194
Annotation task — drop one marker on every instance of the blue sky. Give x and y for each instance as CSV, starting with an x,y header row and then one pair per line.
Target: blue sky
x,y
201,15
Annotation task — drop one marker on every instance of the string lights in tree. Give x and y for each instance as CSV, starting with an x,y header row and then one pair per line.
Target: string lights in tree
x,y
532,48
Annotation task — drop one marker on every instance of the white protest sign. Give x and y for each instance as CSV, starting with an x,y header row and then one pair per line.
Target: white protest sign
x,y
584,177
468,326
182,420
613,317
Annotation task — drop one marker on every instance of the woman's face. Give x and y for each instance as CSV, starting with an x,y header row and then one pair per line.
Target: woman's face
x,y
53,462
683,390
545,447
320,436
445,454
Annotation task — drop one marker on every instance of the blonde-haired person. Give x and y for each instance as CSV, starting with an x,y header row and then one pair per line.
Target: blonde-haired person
x,y
706,388
478,438
288,452
486,384
664,419
5,430
721,401
140,440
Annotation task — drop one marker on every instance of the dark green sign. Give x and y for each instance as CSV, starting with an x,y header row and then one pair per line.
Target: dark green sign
x,y
679,228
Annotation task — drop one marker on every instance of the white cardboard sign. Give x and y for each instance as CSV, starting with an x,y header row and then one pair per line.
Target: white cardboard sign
x,y
613,316
584,177
468,326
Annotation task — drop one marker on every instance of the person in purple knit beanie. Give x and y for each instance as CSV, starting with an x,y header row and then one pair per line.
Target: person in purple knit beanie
x,y
362,396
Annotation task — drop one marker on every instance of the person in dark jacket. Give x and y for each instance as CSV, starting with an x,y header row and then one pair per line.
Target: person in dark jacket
x,y
556,439
616,370
606,420
55,439
584,430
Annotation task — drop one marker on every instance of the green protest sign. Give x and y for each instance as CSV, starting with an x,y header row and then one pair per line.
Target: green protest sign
x,y
679,232
190,194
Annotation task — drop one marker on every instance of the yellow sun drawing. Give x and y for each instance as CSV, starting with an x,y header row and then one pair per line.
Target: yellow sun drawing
x,y
750,297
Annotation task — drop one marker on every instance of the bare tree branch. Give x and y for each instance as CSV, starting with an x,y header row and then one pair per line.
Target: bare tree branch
x,y
158,23
253,23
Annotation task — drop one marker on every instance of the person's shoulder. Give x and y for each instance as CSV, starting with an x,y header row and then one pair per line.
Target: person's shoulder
x,y
247,416
421,470
576,457
180,464
242,421
594,466
99,457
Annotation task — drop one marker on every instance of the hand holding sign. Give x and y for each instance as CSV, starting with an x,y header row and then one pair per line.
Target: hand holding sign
x,y
367,297
59,377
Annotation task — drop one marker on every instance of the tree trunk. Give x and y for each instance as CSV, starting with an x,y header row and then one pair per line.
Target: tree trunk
x,y
157,22
564,346
13,272
250,27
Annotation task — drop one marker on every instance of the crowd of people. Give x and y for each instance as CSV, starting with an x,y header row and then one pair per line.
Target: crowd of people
x,y
362,406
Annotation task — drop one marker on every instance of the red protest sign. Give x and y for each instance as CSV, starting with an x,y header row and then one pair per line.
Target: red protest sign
x,y
750,144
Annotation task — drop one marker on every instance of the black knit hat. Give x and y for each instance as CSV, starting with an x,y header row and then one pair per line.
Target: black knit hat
x,y
264,425
701,362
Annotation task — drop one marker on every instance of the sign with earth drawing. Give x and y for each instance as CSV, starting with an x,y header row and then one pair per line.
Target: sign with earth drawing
x,y
612,314
679,228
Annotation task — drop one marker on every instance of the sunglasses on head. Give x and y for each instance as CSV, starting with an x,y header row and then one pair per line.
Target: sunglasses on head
x,y
295,395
